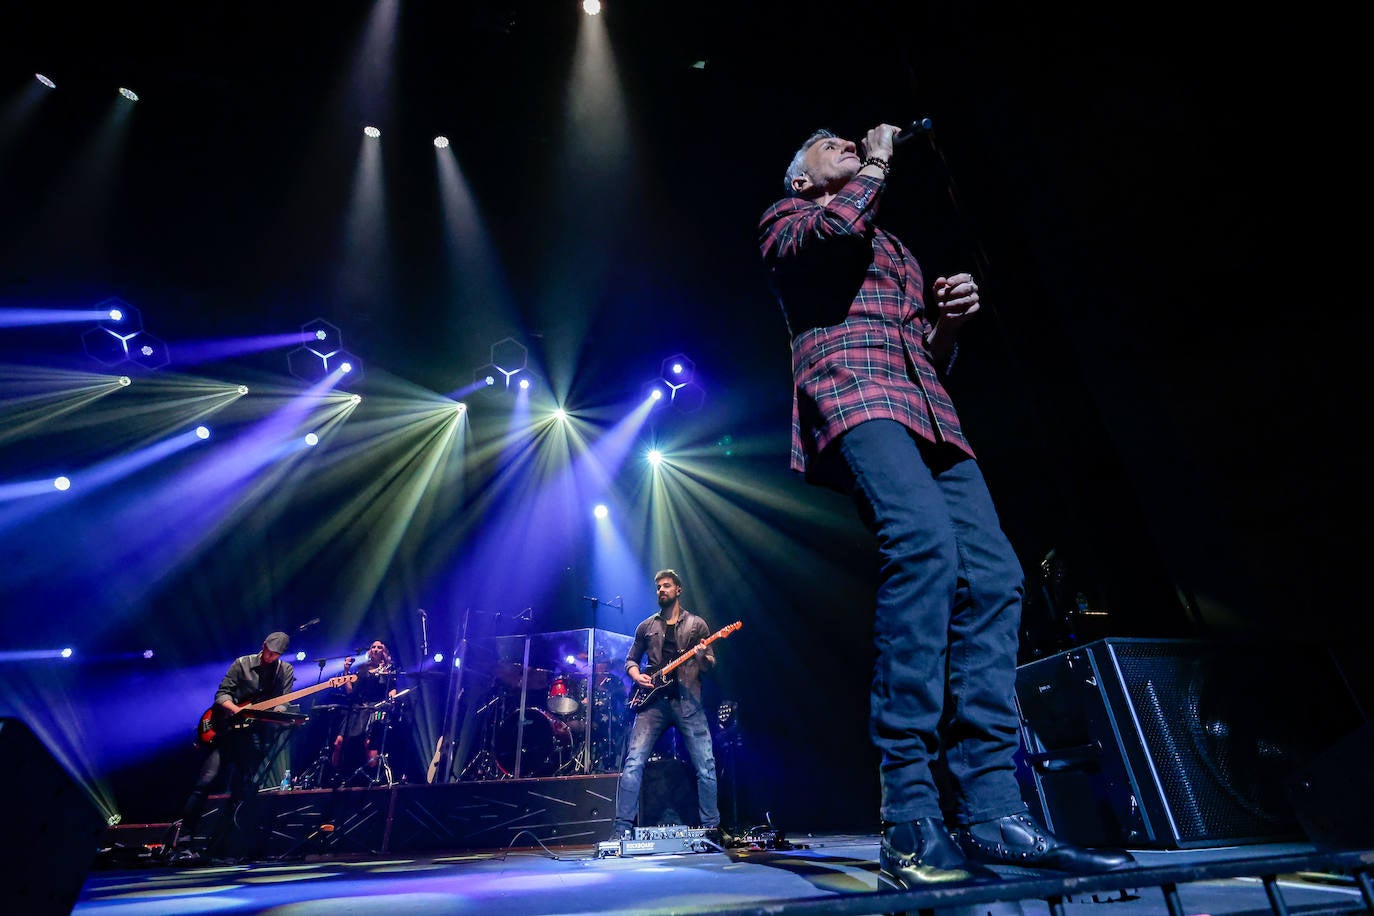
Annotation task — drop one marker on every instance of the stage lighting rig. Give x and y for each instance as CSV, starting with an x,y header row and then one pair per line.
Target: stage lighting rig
x,y
509,366
676,384
322,354
119,337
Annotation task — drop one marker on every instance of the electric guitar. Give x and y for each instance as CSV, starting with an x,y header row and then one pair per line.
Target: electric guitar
x,y
641,695
216,720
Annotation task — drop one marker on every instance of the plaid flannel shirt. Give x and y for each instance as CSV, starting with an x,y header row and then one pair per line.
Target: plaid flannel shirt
x,y
852,296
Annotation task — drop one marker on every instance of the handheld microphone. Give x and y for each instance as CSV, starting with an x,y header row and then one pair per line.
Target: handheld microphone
x,y
915,127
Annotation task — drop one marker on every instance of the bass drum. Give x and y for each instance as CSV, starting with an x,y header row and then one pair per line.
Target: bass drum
x,y
546,743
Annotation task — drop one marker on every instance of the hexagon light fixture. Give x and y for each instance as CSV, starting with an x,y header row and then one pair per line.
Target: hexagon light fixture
x,y
678,373
509,365
119,337
322,354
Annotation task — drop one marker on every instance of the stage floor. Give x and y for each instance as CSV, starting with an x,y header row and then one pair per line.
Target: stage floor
x,y
821,874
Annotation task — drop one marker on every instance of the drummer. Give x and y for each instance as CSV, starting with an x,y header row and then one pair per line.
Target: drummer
x,y
357,746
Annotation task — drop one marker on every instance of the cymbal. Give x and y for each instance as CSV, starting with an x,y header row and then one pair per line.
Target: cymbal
x,y
510,674
422,674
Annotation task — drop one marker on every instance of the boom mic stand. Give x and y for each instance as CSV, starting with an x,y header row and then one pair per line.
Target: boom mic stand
x,y
319,676
315,775
617,602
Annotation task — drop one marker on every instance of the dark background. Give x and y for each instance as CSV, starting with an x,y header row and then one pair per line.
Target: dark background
x,y
1163,389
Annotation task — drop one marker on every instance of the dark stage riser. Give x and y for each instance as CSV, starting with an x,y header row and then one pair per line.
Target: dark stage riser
x,y
492,814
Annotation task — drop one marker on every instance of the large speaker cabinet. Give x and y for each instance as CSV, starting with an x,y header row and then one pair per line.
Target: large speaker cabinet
x,y
54,827
1176,744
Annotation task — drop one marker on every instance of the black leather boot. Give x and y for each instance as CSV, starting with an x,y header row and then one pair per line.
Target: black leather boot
x,y
1018,839
921,854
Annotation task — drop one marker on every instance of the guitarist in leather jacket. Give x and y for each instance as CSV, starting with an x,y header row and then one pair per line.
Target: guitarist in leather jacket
x,y
658,641
237,754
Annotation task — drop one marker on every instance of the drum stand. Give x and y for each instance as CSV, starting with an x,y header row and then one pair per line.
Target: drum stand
x,y
387,709
313,777
582,751
483,764
575,764
383,767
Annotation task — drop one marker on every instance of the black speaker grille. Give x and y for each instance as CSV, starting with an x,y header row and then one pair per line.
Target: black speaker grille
x,y
1227,726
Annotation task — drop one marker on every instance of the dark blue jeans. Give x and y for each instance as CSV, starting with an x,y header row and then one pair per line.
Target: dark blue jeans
x,y
942,712
650,722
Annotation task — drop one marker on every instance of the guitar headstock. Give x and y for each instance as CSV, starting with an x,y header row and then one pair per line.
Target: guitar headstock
x,y
342,679
727,630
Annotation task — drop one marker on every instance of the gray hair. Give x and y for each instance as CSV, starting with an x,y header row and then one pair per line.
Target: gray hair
x,y
795,167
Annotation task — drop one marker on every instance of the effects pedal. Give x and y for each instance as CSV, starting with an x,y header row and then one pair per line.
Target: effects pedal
x,y
669,832
761,838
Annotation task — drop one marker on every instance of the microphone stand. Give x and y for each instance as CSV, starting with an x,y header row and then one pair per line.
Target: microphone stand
x,y
324,661
617,602
313,776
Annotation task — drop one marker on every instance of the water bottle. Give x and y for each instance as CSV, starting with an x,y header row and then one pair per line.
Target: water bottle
x,y
286,782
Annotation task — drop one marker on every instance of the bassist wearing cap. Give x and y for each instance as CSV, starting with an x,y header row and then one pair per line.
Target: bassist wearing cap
x,y
670,652
236,753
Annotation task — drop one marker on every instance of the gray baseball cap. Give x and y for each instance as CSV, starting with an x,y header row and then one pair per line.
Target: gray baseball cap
x,y
277,642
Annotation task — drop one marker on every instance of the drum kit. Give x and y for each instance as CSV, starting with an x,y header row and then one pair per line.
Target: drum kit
x,y
382,718
571,723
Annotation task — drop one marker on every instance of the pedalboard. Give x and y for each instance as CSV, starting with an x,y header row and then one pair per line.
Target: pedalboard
x,y
674,838
665,839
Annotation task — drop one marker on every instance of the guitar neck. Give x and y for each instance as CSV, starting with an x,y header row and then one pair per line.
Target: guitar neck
x,y
304,692
668,668
723,631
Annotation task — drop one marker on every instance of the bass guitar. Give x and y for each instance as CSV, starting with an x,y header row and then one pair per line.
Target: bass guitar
x,y
216,721
662,677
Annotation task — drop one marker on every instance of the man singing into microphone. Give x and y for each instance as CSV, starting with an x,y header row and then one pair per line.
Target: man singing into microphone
x,y
871,418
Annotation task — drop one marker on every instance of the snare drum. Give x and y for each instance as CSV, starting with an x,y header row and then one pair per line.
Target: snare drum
x,y
564,695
